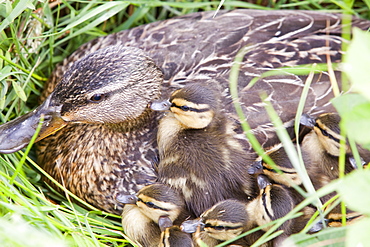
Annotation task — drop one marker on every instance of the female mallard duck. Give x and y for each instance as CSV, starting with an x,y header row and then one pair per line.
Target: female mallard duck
x,y
154,208
107,143
198,152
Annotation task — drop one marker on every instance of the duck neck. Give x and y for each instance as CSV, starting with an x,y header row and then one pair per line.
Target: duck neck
x,y
133,124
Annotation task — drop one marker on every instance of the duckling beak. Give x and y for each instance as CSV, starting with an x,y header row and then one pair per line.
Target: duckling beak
x,y
160,105
17,133
255,168
126,199
190,226
308,121
263,181
164,222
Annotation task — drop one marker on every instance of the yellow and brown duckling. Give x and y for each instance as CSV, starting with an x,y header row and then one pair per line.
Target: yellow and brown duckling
x,y
274,202
322,145
228,219
320,153
173,236
154,208
224,221
100,93
199,155
284,172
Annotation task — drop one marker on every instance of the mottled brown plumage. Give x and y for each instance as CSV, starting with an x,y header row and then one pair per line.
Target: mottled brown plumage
x,y
198,152
98,159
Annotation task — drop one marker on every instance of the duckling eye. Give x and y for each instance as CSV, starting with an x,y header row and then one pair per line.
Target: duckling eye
x,y
324,132
97,97
185,108
150,204
219,228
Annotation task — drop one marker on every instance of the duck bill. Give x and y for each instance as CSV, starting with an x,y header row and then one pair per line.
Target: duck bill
x,y
164,222
163,105
308,121
191,226
263,181
17,133
126,199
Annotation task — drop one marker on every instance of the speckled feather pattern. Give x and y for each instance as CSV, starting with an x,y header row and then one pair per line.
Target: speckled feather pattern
x,y
96,162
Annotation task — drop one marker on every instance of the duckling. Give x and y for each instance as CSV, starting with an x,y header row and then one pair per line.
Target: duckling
x,y
199,155
224,221
274,202
278,155
154,208
323,148
322,145
101,91
175,237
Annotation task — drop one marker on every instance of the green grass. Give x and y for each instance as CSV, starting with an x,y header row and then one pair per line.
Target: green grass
x,y
34,37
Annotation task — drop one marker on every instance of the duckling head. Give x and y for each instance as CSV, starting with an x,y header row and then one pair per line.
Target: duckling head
x,y
224,221
273,202
194,105
173,236
159,202
326,128
109,86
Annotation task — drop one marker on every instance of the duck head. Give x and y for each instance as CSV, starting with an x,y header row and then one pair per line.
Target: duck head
x,y
109,86
194,105
224,221
273,202
326,127
159,202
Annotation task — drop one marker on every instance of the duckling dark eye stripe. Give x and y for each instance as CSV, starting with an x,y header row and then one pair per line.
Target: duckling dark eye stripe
x,y
273,170
325,133
219,228
265,204
152,205
347,218
190,108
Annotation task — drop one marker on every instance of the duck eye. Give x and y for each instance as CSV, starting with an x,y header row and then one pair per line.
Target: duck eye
x,y
150,204
97,97
219,228
324,132
185,108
